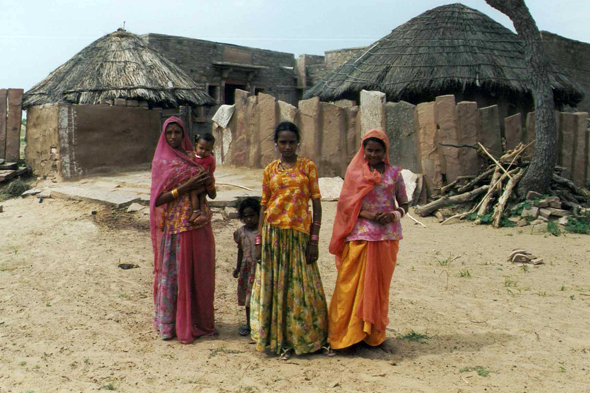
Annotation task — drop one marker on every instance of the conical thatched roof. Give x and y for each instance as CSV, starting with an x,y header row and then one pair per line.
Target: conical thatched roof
x,y
118,65
449,49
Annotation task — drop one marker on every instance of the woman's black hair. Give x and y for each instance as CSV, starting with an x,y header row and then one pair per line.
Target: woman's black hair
x,y
379,141
207,137
287,126
248,202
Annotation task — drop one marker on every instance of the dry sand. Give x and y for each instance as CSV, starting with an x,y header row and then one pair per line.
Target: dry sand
x,y
72,321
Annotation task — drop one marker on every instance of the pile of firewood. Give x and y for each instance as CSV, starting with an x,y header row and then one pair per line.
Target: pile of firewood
x,y
490,196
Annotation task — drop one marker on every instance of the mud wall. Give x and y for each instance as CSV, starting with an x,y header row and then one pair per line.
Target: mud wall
x,y
79,140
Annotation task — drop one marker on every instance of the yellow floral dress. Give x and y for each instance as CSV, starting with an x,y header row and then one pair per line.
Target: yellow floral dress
x,y
288,307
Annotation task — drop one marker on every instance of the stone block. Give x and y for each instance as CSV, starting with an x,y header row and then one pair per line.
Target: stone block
x,y
353,132
522,223
252,136
490,133
513,131
539,228
557,212
532,212
268,120
13,124
107,101
309,125
133,103
3,108
542,204
345,103
135,207
287,112
469,124
580,148
544,212
428,152
231,213
372,111
334,156
563,220
120,102
555,205
144,104
533,195
401,131
446,122
241,144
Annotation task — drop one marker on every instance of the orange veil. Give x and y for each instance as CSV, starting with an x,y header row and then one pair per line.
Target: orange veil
x,y
358,182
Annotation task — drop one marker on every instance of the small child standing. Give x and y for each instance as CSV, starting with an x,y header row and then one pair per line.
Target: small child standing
x,y
203,150
249,213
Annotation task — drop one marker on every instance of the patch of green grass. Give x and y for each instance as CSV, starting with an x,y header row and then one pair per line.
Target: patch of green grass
x,y
123,295
464,273
562,288
23,363
562,369
553,229
48,304
578,225
505,222
444,262
86,360
481,371
109,386
525,268
415,336
217,351
572,297
510,283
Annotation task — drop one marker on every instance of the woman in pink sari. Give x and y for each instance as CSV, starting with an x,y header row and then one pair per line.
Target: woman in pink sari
x,y
184,253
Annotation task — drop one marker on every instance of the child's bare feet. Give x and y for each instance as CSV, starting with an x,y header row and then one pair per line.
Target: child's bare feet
x,y
201,218
194,215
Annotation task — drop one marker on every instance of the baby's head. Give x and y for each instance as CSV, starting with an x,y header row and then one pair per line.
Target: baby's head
x,y
249,212
205,143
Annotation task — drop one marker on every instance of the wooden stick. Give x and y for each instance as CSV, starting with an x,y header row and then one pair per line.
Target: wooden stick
x,y
493,159
463,215
479,178
497,216
416,221
578,190
457,180
234,185
497,186
446,201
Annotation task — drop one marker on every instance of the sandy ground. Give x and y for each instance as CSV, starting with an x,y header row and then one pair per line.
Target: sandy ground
x,y
72,321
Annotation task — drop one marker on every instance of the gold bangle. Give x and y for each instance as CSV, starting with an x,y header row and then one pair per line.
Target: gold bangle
x,y
174,193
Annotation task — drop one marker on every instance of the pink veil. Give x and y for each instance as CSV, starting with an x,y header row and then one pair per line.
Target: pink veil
x,y
170,167
358,182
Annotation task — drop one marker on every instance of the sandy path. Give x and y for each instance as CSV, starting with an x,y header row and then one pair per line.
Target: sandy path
x,y
70,320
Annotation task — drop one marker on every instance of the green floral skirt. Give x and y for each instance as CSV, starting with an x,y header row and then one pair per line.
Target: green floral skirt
x,y
288,306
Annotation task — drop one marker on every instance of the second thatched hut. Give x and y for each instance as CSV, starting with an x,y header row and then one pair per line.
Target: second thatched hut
x,y
452,49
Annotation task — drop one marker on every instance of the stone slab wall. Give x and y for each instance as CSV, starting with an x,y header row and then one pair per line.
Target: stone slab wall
x,y
10,123
433,138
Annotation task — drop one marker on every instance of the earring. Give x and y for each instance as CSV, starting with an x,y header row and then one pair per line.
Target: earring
x,y
365,157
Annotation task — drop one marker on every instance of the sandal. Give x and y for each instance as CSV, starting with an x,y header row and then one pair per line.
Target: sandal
x,y
328,351
244,330
286,354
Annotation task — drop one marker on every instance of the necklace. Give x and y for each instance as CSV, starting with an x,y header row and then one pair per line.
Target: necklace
x,y
285,167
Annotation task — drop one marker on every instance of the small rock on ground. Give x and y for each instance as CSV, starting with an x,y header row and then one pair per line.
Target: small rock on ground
x,y
134,207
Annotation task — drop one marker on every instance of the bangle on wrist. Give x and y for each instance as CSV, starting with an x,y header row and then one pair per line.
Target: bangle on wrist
x,y
317,223
315,238
403,211
174,193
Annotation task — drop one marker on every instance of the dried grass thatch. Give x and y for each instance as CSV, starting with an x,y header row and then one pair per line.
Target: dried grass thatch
x,y
449,49
118,65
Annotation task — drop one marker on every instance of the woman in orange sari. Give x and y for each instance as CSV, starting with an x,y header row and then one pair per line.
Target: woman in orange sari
x,y
365,242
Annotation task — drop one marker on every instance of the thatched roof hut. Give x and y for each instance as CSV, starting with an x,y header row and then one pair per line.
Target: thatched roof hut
x,y
118,65
451,49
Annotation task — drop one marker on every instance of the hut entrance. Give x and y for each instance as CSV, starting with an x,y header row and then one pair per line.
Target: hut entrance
x,y
230,91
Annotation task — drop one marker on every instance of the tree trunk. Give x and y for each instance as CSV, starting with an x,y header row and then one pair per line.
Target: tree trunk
x,y
538,175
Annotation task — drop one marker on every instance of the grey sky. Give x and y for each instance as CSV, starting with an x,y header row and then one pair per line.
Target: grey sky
x,y
37,36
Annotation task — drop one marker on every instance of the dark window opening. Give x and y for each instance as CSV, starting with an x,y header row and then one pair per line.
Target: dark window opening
x,y
230,93
213,91
258,90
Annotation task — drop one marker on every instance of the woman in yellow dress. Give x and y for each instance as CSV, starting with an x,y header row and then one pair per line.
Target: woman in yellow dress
x,y
288,305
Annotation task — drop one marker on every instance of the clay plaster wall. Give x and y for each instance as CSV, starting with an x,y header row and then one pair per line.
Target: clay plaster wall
x,y
79,140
